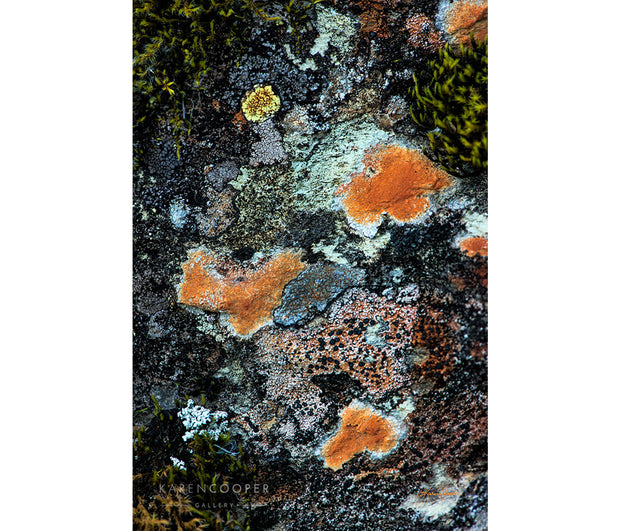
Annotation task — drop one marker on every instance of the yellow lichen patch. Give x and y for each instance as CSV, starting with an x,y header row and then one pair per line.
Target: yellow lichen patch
x,y
475,246
246,295
361,429
466,17
260,103
395,181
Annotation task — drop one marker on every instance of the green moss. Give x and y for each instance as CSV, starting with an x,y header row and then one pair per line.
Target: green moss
x,y
453,103
176,42
169,497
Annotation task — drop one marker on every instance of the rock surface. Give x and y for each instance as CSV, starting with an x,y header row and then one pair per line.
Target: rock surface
x,y
316,277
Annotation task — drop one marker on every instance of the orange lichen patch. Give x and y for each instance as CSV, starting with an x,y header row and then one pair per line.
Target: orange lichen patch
x,y
467,17
423,34
395,180
361,429
373,22
362,337
239,120
479,351
247,296
475,246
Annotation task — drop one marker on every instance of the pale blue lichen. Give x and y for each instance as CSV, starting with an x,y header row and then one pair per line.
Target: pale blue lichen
x,y
178,213
313,289
199,420
178,463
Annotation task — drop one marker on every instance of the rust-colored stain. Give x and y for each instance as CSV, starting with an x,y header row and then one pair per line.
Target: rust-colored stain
x,y
246,295
475,246
239,120
423,34
479,350
467,17
373,22
395,181
361,429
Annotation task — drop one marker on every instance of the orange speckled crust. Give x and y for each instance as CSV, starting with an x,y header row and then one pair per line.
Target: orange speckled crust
x,y
343,345
423,34
239,120
248,296
361,429
373,21
394,180
467,16
452,432
475,246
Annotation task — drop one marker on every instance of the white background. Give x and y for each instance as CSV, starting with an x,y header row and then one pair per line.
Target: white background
x,y
66,265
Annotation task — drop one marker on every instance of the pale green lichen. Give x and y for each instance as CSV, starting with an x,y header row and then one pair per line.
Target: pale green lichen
x,y
332,162
335,29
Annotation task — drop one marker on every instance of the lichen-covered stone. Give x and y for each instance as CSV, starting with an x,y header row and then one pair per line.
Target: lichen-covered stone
x,y
246,296
257,290
394,181
464,18
313,289
361,429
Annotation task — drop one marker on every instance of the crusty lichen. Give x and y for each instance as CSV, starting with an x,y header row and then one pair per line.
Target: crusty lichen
x,y
362,428
246,295
260,103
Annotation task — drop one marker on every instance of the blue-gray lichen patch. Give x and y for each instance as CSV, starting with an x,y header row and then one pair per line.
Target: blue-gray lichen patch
x,y
221,174
312,290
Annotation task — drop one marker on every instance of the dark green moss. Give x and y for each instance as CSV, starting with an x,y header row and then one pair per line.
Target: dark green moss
x,y
453,104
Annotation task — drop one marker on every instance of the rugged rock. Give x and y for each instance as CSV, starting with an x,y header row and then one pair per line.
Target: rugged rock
x,y
315,276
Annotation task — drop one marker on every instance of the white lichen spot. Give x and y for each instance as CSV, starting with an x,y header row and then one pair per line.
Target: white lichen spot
x,y
476,224
329,252
371,247
439,496
335,29
242,179
308,64
177,463
199,420
178,213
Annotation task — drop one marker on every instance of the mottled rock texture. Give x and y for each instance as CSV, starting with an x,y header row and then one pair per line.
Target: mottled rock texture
x,y
306,268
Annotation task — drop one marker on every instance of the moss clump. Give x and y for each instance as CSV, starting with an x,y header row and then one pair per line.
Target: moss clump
x,y
195,495
454,104
176,42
